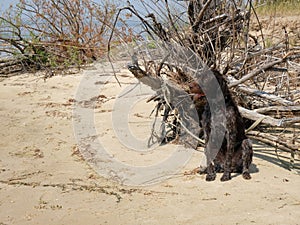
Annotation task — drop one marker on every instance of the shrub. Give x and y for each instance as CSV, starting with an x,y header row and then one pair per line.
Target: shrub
x,y
56,33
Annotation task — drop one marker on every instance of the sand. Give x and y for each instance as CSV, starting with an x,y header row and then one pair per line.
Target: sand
x,y
44,179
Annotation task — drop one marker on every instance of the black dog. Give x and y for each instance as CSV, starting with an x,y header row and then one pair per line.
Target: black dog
x,y
235,153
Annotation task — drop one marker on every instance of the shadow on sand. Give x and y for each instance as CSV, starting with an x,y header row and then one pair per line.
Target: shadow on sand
x,y
276,157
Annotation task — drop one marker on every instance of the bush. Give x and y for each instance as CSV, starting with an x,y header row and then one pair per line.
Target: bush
x,y
56,33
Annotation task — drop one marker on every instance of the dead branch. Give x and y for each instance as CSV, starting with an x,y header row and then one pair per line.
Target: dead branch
x,y
295,109
262,94
51,34
253,115
273,140
263,80
256,72
174,97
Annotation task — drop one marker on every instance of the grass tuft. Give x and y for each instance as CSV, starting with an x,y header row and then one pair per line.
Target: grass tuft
x,y
278,7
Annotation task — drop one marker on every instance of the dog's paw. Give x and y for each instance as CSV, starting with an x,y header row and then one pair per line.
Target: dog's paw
x,y
226,177
210,177
246,176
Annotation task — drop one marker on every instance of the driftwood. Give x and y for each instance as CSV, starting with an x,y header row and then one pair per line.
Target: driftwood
x,y
173,97
273,140
10,66
264,81
295,109
256,72
253,115
262,94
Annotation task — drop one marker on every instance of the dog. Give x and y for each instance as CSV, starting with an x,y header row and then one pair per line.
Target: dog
x,y
235,154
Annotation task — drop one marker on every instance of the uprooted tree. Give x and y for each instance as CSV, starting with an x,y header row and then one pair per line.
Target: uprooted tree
x,y
179,41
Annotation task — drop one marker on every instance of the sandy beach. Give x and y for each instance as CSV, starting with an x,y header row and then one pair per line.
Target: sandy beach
x,y
44,178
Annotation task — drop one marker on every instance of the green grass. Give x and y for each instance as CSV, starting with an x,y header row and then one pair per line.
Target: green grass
x,y
279,8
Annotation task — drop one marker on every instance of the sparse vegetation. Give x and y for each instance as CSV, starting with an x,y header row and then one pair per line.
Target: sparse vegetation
x,y
54,34
278,7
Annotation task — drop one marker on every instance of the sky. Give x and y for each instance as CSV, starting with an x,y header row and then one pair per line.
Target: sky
x,y
4,4
144,9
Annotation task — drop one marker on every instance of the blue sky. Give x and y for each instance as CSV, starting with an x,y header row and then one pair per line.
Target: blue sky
x,y
159,9
4,4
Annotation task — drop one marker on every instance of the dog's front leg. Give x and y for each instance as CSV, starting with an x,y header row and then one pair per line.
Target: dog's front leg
x,y
247,154
211,173
228,157
210,170
227,167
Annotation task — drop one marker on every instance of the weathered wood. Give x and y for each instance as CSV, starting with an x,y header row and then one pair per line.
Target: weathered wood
x,y
273,140
9,67
295,108
262,94
252,115
153,82
249,114
200,14
294,54
174,97
7,59
218,34
269,142
256,72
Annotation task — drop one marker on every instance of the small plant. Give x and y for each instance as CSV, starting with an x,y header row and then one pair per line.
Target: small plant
x,y
268,42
